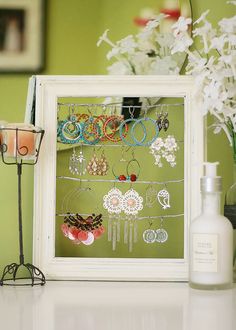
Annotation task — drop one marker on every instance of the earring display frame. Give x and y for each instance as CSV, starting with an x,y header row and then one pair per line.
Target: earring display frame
x,y
48,90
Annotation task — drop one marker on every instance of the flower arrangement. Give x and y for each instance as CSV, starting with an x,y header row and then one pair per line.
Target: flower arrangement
x,y
213,65
148,52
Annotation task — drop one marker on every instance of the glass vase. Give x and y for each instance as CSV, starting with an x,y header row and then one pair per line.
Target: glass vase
x,y
230,201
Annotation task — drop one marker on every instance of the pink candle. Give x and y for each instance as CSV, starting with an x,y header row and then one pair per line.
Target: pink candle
x,y
20,140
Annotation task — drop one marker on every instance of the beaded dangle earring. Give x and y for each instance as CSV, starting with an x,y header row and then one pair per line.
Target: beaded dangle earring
x,y
132,169
98,166
103,165
93,164
69,131
119,168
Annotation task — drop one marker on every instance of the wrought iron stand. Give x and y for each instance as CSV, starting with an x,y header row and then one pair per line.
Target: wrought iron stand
x,y
14,273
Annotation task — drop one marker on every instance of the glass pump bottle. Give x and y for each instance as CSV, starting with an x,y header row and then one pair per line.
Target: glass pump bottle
x,y
211,238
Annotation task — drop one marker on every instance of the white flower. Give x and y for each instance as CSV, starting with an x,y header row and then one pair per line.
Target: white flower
x,y
228,25
154,23
181,25
127,45
163,66
146,45
232,39
104,38
214,97
181,43
120,68
197,67
165,39
113,52
141,62
218,43
202,18
203,30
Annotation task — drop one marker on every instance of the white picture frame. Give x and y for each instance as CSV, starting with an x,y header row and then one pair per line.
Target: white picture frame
x,y
48,90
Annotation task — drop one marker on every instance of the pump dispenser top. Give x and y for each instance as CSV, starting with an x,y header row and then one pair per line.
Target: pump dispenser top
x,y
211,183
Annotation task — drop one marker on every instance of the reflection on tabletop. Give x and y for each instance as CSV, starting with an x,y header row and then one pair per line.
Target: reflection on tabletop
x,y
115,305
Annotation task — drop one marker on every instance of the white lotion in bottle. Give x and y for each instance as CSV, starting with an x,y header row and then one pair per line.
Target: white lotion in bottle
x,y
211,238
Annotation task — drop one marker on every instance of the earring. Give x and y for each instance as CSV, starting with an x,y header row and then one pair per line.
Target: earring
x,y
150,196
161,234
93,164
112,202
132,204
120,166
165,122
77,163
102,165
132,173
163,198
164,148
149,235
69,131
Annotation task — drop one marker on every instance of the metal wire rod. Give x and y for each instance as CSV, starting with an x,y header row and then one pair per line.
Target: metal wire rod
x,y
106,145
114,104
138,218
116,181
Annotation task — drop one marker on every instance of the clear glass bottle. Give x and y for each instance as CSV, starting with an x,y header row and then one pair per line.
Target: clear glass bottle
x,y
211,239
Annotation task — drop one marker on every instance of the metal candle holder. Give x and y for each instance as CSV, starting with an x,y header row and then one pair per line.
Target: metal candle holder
x,y
15,151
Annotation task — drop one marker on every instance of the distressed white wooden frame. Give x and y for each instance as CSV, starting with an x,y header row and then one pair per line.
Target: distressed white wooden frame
x,y
48,90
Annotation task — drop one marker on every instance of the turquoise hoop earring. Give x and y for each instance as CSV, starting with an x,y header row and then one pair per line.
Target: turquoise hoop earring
x,y
67,135
125,122
96,133
140,121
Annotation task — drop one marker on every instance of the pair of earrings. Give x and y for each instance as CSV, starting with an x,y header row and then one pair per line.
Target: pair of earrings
x,y
130,170
164,149
130,203
162,196
159,235
98,166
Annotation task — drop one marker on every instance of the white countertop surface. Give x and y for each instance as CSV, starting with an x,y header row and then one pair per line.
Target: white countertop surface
x,y
116,305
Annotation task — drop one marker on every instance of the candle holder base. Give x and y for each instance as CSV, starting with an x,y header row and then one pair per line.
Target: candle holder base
x,y
12,275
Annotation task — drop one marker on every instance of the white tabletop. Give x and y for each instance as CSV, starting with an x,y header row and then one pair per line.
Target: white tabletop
x,y
116,305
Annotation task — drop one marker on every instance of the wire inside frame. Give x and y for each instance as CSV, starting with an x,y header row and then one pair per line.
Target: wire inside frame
x,y
56,187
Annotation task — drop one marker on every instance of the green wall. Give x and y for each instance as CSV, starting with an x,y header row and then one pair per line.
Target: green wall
x,y
73,27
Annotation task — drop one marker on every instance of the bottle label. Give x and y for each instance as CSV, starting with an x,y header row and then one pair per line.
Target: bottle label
x,y
205,253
